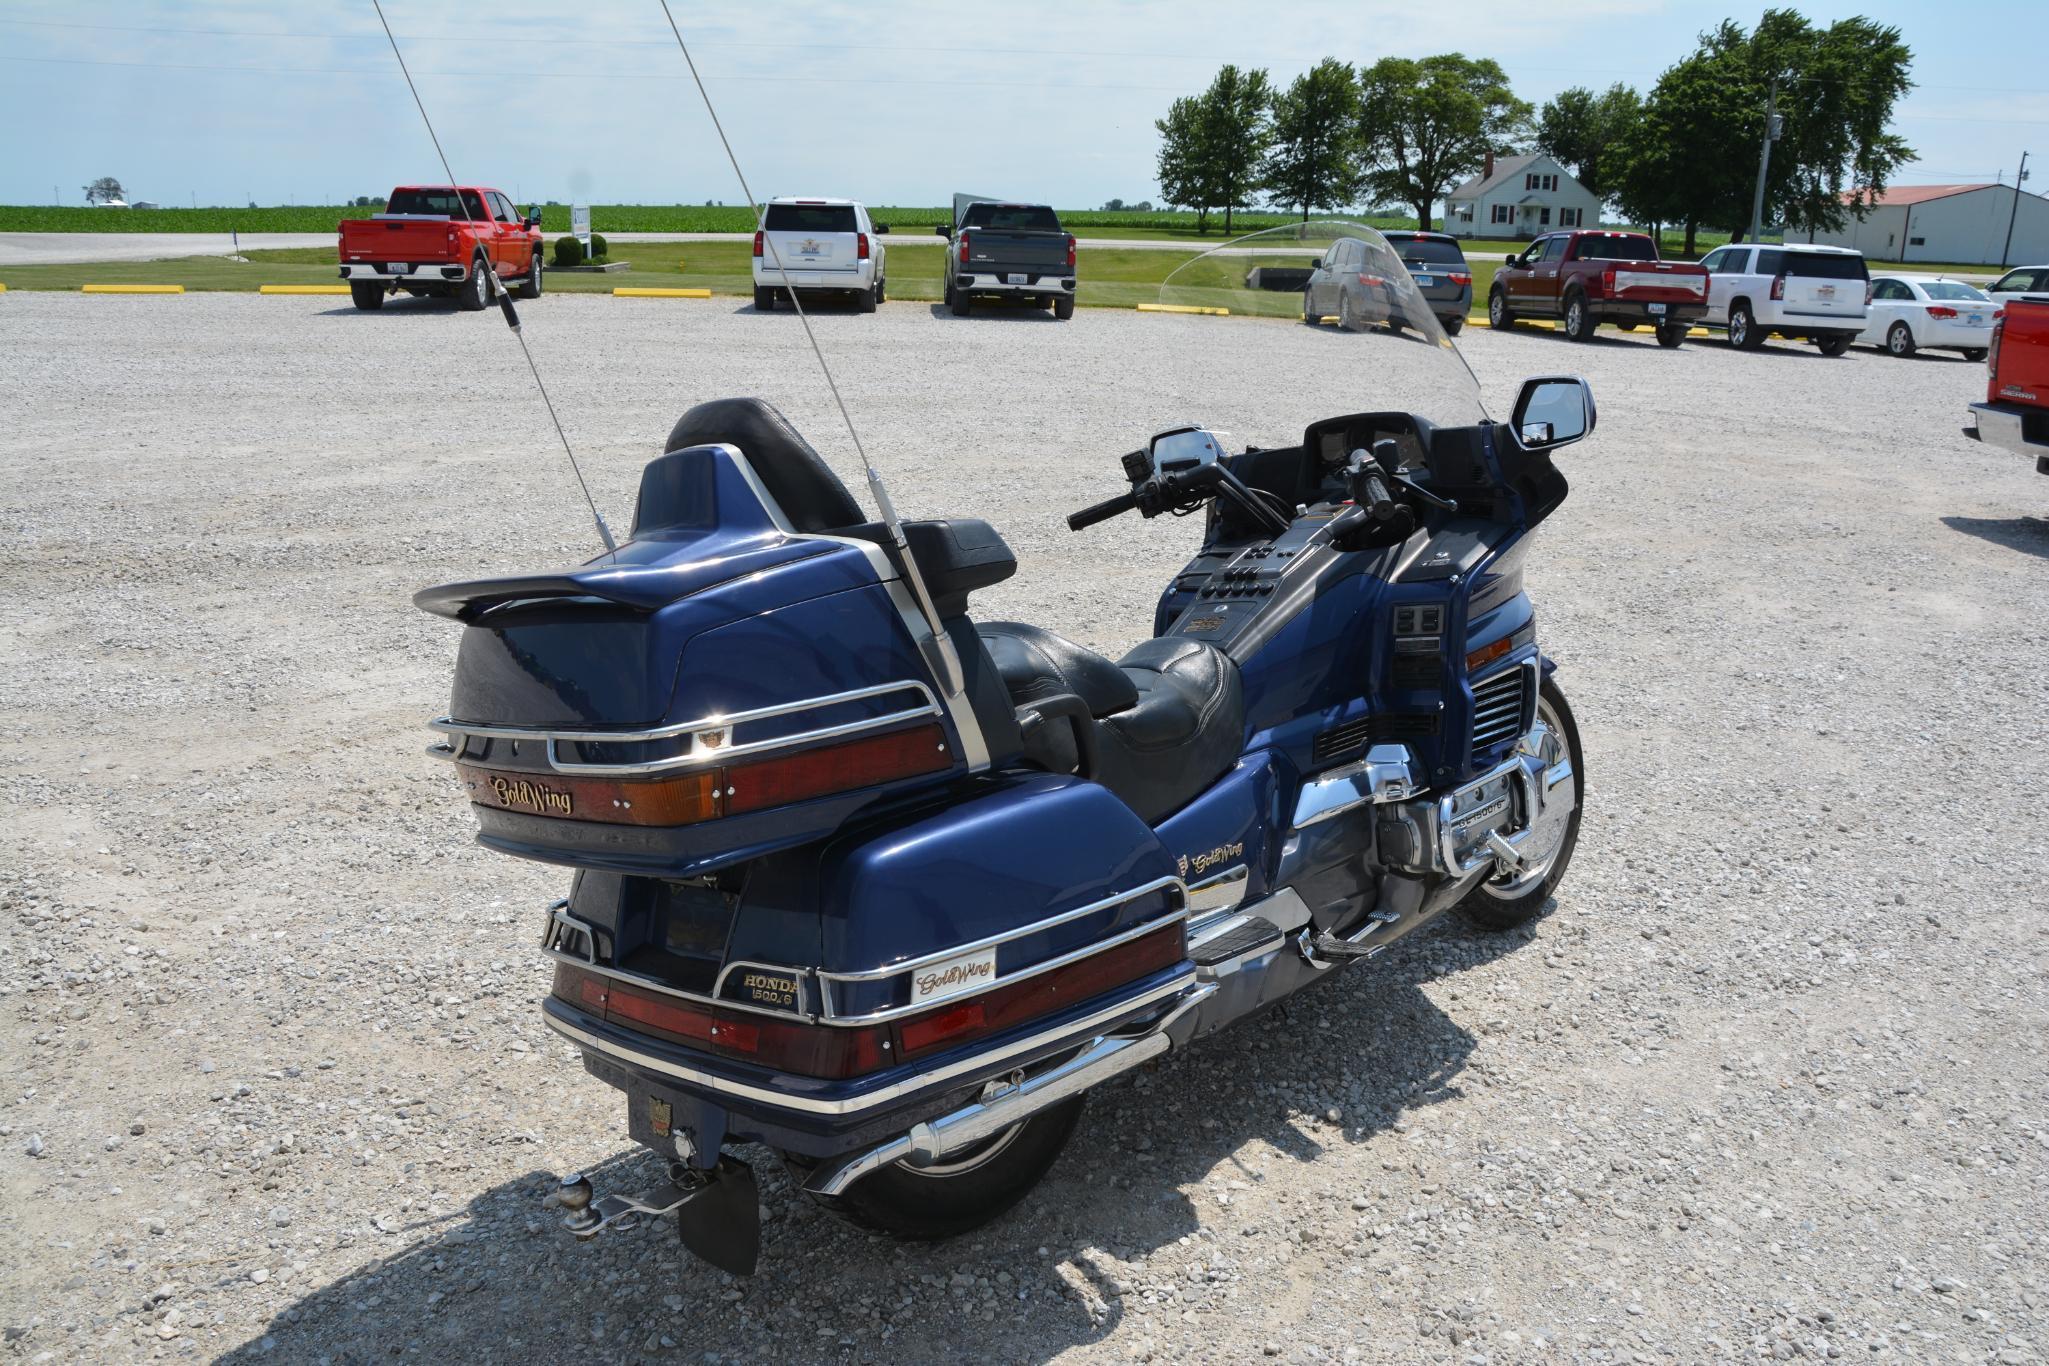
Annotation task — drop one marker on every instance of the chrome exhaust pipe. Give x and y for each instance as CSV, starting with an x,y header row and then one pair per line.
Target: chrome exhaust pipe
x,y
932,1140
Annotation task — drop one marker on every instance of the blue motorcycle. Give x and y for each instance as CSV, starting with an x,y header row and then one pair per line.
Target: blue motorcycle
x,y
886,888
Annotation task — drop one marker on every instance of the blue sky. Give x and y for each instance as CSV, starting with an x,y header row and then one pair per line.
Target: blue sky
x,y
223,101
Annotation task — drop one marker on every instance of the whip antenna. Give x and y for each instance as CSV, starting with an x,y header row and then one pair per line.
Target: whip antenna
x,y
498,290
944,660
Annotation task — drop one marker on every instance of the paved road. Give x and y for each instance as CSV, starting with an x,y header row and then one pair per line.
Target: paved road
x,y
72,248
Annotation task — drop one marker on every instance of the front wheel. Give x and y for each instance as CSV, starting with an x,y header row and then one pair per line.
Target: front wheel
x,y
1498,316
1671,334
1899,340
1502,903
965,1190
368,295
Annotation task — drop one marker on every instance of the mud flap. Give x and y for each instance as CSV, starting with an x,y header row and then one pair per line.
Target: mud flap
x,y
721,1221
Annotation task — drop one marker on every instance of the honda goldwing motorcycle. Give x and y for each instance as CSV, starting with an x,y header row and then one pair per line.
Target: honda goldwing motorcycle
x,y
887,888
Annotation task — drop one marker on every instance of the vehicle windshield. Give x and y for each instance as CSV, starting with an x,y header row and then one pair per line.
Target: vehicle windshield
x,y
809,218
1950,289
1617,246
1264,335
1011,218
433,203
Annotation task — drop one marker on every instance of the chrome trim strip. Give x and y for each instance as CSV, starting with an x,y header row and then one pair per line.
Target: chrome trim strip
x,y
1386,774
553,1015
975,946
801,976
697,753
698,998
1025,975
1220,893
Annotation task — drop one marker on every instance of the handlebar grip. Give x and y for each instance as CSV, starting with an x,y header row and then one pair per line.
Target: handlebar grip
x,y
1102,512
1378,500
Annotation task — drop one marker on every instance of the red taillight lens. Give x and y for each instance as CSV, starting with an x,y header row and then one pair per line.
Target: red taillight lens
x,y
1371,280
963,248
757,244
1070,249
708,793
1459,277
1992,350
1867,291
1778,286
1608,280
860,246
1941,311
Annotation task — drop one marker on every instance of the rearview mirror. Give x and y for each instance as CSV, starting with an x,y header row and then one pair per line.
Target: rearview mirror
x,y
943,231
881,228
1511,260
1552,410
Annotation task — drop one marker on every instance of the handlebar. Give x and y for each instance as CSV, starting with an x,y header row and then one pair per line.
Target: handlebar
x,y
1103,511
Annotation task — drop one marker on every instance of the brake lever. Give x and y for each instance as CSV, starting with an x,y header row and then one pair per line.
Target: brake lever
x,y
1434,500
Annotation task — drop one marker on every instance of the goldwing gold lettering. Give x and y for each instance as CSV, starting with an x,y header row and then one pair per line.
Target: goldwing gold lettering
x,y
536,796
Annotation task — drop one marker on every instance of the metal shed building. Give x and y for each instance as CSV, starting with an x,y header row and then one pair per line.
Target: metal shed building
x,y
1965,224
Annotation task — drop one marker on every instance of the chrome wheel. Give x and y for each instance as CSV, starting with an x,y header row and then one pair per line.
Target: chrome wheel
x,y
1547,838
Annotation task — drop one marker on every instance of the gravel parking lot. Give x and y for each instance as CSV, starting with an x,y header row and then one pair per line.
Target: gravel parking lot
x,y
1768,1081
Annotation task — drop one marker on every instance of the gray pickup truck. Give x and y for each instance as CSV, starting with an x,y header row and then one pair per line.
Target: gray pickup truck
x,y
1012,251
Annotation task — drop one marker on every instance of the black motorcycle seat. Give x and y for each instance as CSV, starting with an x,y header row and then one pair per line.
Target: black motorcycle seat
x,y
1169,716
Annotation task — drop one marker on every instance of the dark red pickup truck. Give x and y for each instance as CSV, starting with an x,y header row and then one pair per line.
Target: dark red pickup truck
x,y
2015,413
442,239
1589,278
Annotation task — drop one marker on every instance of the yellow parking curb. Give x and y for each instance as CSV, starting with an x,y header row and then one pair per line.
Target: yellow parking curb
x,y
131,289
624,292
3,289
302,289
1552,326
1184,308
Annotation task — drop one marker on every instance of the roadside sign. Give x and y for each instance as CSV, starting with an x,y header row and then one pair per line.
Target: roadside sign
x,y
580,223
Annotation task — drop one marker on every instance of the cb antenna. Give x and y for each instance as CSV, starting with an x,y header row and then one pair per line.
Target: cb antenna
x,y
939,651
497,288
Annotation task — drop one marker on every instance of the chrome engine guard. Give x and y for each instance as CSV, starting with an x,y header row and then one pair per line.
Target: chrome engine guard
x,y
1486,823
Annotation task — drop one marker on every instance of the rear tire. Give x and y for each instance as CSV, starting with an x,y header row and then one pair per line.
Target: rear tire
x,y
1670,335
865,300
964,1192
475,293
1494,906
1832,346
1498,316
1899,341
1974,354
764,300
1744,333
367,296
1579,319
1063,307
1454,326
960,302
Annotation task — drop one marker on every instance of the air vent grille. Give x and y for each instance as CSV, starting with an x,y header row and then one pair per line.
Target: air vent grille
x,y
1498,706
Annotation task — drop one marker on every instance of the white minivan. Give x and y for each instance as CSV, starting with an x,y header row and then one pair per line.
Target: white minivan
x,y
1808,292
819,246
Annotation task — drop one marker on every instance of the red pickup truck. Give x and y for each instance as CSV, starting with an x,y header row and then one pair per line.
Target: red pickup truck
x,y
2015,413
441,239
1588,278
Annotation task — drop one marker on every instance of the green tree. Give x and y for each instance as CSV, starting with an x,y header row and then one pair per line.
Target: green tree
x,y
1583,130
1313,160
1427,124
1212,144
1692,157
1182,170
104,190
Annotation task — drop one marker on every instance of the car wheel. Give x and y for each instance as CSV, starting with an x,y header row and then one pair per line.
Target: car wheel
x,y
960,302
1498,316
1347,320
1899,340
882,291
1832,346
1063,307
1974,354
530,288
1670,335
1744,333
1579,322
1454,326
864,301
764,300
475,293
1311,316
367,294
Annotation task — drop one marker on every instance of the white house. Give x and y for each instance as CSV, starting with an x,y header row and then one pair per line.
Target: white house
x,y
1519,197
1965,224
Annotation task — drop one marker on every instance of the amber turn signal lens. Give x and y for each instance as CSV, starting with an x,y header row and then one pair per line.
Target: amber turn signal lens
x,y
1487,654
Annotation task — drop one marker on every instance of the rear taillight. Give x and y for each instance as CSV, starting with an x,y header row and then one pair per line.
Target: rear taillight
x,y
708,793
1459,277
1371,280
1941,311
1778,286
757,244
1608,280
814,1050
963,248
860,246
1070,249
1992,349
1867,292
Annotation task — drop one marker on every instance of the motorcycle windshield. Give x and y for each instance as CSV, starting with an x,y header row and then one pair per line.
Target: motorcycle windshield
x,y
1285,327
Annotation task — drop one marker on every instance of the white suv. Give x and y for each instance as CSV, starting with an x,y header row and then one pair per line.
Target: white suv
x,y
825,246
1800,291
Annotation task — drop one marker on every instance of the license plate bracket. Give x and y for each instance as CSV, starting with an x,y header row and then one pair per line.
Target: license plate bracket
x,y
1656,310
1017,279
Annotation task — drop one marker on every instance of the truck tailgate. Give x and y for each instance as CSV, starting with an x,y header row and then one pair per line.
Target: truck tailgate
x,y
1654,282
992,249
808,251
398,239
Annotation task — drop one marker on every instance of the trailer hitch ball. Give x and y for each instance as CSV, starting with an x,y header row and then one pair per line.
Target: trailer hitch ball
x,y
573,1197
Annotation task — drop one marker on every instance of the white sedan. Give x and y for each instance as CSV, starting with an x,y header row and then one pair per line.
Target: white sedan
x,y
1910,313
